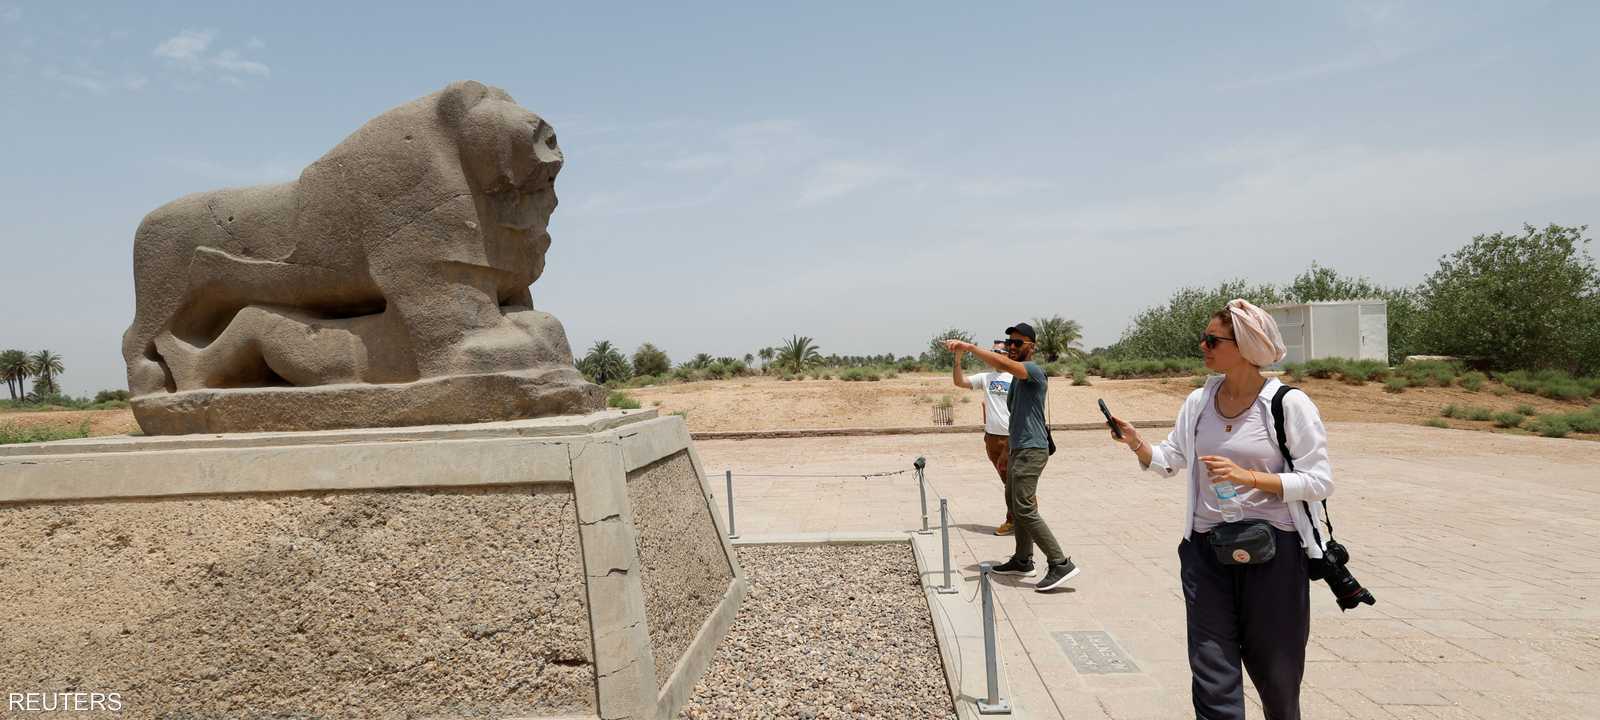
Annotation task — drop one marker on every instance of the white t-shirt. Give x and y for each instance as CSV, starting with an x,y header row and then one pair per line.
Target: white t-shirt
x,y
995,386
1250,444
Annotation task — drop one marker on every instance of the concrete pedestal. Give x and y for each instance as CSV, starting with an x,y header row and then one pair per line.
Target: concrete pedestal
x,y
559,567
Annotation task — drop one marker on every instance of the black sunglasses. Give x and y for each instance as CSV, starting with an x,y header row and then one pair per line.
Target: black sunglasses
x,y
1211,341
1013,341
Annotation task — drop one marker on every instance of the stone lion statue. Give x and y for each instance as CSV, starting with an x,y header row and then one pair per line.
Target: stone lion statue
x,y
388,285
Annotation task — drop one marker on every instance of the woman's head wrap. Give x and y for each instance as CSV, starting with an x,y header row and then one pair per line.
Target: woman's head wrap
x,y
1256,333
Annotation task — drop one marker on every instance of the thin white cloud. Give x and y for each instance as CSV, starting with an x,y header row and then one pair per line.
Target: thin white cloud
x,y
230,62
186,47
89,83
88,78
834,179
1334,185
10,14
1365,59
189,50
256,43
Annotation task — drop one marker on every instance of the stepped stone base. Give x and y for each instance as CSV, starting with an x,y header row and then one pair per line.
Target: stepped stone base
x,y
563,567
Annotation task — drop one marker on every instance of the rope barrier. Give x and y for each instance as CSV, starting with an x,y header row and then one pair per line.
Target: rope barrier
x,y
864,476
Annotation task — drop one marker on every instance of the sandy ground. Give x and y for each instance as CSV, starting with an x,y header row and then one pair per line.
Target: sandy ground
x,y
764,403
101,422
761,403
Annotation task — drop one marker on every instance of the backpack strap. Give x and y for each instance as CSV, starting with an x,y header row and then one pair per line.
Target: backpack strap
x,y
1283,447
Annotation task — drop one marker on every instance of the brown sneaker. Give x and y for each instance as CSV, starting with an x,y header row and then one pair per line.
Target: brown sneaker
x,y
1004,529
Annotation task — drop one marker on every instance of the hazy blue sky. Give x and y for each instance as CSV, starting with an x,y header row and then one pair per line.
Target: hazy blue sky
x,y
863,173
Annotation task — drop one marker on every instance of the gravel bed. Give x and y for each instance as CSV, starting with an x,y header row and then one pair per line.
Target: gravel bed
x,y
827,632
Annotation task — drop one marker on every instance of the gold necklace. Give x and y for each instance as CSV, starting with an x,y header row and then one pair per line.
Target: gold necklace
x,y
1228,426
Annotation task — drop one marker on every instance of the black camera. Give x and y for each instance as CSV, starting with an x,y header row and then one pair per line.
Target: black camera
x,y
1347,591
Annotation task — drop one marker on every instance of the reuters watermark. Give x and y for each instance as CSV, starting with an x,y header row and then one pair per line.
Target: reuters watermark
x,y
63,702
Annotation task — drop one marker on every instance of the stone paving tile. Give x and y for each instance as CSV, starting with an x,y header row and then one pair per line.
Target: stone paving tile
x,y
1404,697
1474,608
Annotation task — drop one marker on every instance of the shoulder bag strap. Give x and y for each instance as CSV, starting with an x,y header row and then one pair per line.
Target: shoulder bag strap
x,y
1283,447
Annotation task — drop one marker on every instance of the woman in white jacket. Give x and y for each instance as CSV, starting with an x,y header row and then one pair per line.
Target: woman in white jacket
x,y
1241,609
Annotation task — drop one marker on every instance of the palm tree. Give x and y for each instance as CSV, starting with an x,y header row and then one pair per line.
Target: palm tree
x,y
766,354
798,353
749,359
47,365
15,368
604,363
1058,336
700,361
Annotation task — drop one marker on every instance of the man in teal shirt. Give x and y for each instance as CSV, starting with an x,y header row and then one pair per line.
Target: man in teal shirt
x,y
1030,450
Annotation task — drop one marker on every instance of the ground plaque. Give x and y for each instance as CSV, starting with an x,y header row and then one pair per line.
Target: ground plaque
x,y
1093,652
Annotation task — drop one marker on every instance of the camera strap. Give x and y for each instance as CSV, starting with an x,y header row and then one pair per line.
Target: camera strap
x,y
1283,447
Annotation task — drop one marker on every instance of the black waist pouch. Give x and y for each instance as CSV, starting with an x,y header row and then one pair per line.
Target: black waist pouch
x,y
1250,542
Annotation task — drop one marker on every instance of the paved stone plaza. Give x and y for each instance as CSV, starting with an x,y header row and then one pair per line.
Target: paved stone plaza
x,y
1480,549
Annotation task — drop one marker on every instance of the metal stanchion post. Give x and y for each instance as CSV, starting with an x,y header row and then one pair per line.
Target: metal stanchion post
x,y
922,492
993,704
944,533
731,532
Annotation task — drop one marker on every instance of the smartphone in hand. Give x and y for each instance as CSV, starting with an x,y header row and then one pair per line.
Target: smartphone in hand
x,y
1116,432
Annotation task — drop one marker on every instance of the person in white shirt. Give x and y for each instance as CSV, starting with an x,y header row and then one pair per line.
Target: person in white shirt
x,y
1245,603
996,418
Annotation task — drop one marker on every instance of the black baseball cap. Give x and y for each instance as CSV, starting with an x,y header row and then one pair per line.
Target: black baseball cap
x,y
1024,330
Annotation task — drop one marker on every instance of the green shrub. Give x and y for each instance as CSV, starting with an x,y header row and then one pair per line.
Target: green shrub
x,y
1526,409
1436,422
1585,422
1450,411
1477,414
852,375
1472,381
1294,371
1370,370
1518,300
1425,373
1507,419
1171,367
1325,369
619,399
1564,390
1395,385
1555,384
872,376
12,433
1551,426
1501,390
1080,377
1198,382
680,413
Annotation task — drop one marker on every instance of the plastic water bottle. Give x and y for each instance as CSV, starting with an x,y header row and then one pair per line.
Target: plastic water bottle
x,y
1228,501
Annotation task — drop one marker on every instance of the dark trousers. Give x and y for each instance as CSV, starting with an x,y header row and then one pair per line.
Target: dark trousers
x,y
1257,614
1022,489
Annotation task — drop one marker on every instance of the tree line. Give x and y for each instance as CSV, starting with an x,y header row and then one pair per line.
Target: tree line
x,y
16,366
1504,301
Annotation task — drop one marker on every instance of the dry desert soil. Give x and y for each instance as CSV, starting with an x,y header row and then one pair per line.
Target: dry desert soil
x,y
760,403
